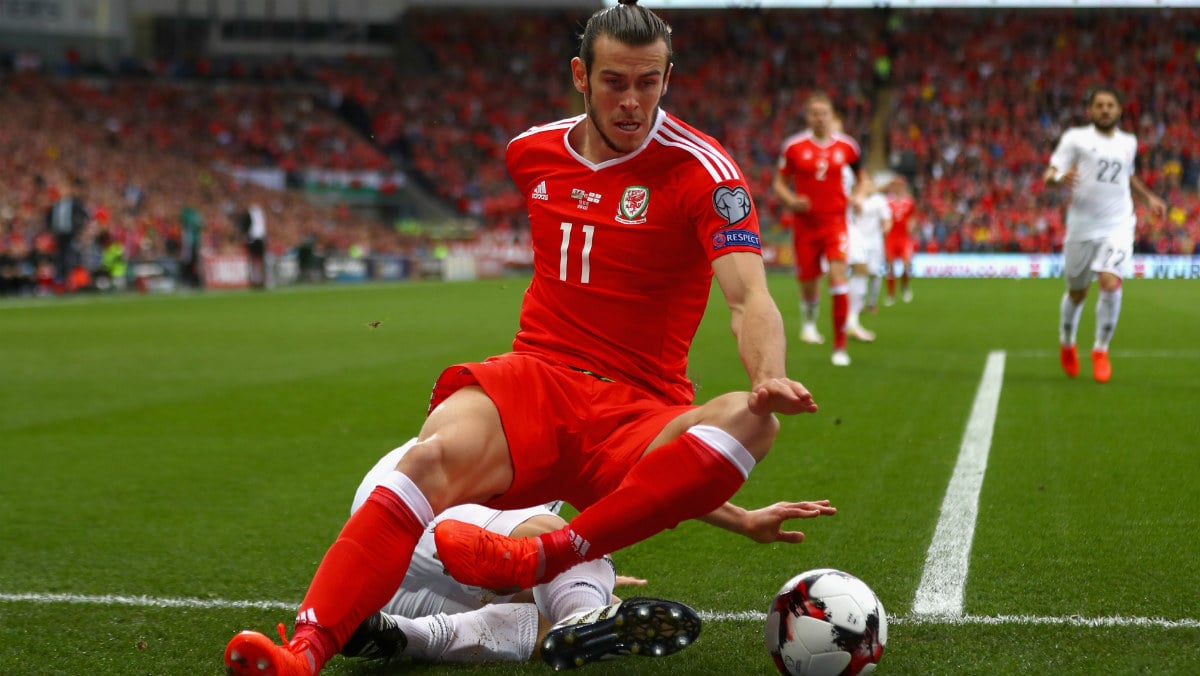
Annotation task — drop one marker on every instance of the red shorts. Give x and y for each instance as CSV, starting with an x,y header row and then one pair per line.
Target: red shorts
x,y
817,236
901,249
572,436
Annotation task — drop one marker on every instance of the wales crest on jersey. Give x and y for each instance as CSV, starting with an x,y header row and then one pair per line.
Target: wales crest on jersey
x,y
631,209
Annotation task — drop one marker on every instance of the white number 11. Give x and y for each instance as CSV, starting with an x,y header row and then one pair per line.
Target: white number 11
x,y
585,275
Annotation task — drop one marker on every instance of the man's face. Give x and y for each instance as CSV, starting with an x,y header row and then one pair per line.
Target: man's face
x,y
1104,111
819,116
622,94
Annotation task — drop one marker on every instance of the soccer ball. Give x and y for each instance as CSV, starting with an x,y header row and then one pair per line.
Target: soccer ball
x,y
826,623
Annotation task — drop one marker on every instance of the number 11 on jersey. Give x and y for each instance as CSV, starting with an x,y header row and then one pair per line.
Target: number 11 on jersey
x,y
585,274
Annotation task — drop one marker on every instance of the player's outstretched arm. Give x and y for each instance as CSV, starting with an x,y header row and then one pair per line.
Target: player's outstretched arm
x,y
758,327
765,524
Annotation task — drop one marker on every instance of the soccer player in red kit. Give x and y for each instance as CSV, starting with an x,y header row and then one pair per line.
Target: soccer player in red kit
x,y
632,213
809,184
898,245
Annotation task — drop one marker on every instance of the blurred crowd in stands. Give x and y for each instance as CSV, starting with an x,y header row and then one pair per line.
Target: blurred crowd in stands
x,y
967,105
138,154
980,99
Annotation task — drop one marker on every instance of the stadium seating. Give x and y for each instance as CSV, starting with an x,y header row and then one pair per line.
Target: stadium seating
x,y
973,106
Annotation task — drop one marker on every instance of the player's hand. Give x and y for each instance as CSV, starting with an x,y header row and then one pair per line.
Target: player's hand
x,y
781,395
802,203
765,524
1158,208
626,581
1071,178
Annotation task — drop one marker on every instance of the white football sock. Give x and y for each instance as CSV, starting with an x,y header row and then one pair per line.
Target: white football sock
x,y
504,632
874,285
1068,322
582,587
858,291
809,311
1108,311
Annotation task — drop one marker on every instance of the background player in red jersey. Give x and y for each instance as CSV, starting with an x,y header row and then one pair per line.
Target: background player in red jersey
x,y
898,245
809,184
632,212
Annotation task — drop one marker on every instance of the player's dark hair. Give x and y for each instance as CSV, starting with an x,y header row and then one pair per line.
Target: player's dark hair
x,y
627,23
819,96
1102,89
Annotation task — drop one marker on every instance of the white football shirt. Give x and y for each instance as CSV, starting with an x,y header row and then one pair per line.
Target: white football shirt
x,y
1101,203
865,229
868,223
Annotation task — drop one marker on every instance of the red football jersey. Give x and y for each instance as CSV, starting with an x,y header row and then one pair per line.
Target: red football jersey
x,y
623,249
815,168
902,211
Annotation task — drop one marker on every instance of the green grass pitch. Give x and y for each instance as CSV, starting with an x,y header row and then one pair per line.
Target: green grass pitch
x,y
172,468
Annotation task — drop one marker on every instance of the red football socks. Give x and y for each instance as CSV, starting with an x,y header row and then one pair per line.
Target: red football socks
x,y
841,310
682,479
359,573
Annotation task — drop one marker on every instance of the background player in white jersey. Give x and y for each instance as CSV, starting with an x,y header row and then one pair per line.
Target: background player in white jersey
x,y
1096,163
867,222
433,617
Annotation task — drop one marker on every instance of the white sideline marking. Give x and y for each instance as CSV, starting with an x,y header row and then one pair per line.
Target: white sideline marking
x,y
707,615
145,601
960,620
945,576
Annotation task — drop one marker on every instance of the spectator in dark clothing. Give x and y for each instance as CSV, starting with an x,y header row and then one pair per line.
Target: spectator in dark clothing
x,y
66,219
192,226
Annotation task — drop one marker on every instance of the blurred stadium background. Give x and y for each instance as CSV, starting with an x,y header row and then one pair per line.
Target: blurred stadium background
x,y
372,133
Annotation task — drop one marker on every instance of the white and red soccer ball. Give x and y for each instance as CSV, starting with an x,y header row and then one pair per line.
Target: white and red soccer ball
x,y
826,622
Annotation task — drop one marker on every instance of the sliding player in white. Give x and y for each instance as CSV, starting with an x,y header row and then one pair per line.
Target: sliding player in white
x,y
433,617
1096,163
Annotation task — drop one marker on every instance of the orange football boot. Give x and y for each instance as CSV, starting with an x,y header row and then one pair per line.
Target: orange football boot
x,y
477,556
1101,367
1070,360
253,654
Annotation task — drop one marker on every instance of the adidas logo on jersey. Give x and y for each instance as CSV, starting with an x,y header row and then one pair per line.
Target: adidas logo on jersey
x,y
539,193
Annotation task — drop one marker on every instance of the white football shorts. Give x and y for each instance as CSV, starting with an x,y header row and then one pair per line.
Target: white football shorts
x,y
1083,261
866,250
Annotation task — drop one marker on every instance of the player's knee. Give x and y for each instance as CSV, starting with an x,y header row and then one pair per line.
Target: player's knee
x,y
755,432
425,464
453,473
766,429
